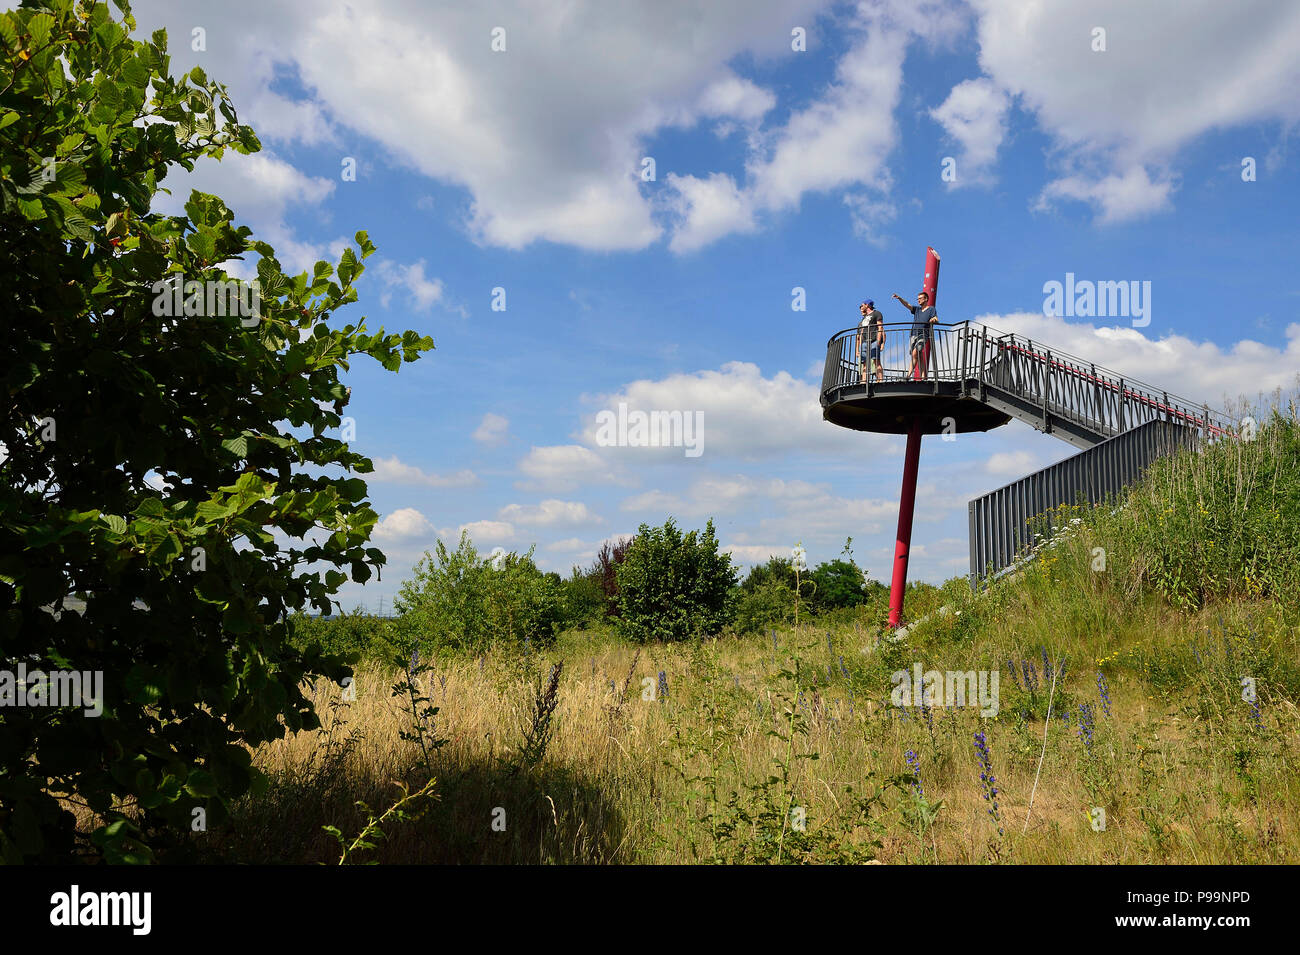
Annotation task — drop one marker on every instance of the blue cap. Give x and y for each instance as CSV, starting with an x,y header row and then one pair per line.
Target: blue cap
x,y
870,303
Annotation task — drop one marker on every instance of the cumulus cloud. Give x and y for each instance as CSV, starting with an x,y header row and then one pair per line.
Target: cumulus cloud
x,y
546,136
751,554
974,116
734,97
564,467
1117,198
492,429
709,209
421,291
1171,71
1012,464
745,414
393,471
549,513
839,141
482,533
402,525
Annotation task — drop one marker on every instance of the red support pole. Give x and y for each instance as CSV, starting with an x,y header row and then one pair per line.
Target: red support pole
x,y
906,505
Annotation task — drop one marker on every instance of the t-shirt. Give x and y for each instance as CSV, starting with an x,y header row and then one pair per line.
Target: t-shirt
x,y
870,327
921,320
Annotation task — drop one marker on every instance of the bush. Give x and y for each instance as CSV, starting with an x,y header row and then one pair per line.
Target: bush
x,y
585,604
354,635
769,604
456,600
674,586
777,570
840,583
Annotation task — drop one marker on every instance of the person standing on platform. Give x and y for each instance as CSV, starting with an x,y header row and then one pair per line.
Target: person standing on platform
x,y
923,318
871,340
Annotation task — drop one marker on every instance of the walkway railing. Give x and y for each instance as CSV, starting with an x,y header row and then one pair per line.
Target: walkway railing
x,y
1044,383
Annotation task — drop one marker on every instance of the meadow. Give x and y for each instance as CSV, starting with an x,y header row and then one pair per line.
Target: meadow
x,y
1147,714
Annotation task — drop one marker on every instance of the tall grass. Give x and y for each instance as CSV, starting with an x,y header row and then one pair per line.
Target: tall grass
x,y
1174,734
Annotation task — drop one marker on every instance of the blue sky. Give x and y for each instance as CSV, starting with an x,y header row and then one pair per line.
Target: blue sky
x,y
775,168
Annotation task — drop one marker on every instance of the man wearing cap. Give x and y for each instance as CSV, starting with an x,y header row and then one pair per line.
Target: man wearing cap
x,y
871,340
923,316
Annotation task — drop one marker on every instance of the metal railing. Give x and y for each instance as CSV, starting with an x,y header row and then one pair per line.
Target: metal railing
x,y
1004,522
1044,384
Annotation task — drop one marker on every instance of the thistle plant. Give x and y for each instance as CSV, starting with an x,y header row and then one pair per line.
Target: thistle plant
x,y
419,706
540,726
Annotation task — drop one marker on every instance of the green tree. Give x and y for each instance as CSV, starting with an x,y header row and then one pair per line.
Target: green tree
x,y
840,583
673,586
153,461
457,600
776,571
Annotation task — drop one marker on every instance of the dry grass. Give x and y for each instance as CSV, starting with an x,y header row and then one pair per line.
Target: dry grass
x,y
1176,787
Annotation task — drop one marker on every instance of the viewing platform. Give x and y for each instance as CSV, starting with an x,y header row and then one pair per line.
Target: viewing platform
x,y
976,378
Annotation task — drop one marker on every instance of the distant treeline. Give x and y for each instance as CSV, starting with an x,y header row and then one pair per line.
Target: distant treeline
x,y
661,584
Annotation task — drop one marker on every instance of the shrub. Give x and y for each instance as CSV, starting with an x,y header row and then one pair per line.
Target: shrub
x,y
355,635
674,586
777,570
769,604
585,604
456,600
840,583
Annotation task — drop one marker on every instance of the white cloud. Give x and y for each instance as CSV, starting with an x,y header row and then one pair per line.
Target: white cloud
x,y
709,209
839,141
975,116
492,429
402,525
745,414
734,97
422,291
393,471
752,554
1012,464
546,136
549,513
868,217
482,533
564,467
1172,71
1117,198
